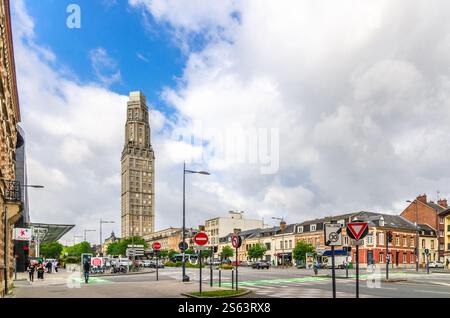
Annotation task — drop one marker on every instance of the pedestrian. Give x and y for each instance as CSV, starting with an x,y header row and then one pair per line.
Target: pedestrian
x,y
56,266
40,270
31,269
87,269
49,267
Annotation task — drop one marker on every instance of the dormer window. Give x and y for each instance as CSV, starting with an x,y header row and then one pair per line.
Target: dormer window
x,y
300,229
382,221
313,227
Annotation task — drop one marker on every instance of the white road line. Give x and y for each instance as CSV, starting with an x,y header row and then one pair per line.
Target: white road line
x,y
431,291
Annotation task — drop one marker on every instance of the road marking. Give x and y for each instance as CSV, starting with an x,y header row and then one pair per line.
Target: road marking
x,y
431,291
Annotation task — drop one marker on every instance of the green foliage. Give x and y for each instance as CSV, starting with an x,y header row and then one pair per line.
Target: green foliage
x,y
226,266
163,253
120,247
72,260
227,252
300,250
206,253
170,264
171,254
189,251
219,293
51,249
78,249
256,252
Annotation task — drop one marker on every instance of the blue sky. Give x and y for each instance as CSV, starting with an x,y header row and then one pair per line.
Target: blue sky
x,y
359,113
119,30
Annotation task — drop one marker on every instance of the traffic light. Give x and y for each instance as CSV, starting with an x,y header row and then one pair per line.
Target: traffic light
x,y
215,249
390,236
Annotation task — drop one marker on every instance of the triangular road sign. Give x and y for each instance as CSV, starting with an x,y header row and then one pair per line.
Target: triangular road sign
x,y
357,229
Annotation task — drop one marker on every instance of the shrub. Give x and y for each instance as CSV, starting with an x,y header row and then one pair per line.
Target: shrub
x,y
170,264
226,266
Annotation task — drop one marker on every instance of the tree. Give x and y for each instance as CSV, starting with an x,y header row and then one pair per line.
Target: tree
x,y
227,252
51,249
205,253
300,250
189,251
163,253
120,247
256,252
171,254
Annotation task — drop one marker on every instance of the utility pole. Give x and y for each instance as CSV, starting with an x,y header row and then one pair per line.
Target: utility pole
x,y
388,238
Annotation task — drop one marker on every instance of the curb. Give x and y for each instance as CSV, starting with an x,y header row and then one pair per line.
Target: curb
x,y
123,274
246,292
394,280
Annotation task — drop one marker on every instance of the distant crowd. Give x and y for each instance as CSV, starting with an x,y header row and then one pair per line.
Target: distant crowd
x,y
49,266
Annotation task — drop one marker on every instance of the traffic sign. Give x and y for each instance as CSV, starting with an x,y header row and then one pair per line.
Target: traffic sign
x,y
201,238
357,230
97,261
427,251
156,246
333,234
236,241
183,246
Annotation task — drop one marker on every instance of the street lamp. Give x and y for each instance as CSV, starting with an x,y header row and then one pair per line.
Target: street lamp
x,y
101,223
282,238
85,231
186,278
417,233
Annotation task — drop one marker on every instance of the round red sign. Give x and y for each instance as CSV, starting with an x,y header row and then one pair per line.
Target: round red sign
x,y
201,238
236,241
156,246
96,262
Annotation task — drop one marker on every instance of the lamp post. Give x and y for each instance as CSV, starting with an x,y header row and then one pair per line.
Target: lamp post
x,y
417,233
101,223
282,239
13,195
186,278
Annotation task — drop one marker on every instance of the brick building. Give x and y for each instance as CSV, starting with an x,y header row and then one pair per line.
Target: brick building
x,y
10,117
422,211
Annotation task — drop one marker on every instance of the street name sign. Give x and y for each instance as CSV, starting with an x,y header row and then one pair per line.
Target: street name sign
x,y
201,238
357,230
333,234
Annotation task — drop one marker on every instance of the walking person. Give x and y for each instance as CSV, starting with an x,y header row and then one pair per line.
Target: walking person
x,y
31,269
87,269
40,271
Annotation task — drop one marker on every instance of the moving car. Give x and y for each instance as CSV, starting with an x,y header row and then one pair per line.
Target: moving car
x,y
261,265
436,264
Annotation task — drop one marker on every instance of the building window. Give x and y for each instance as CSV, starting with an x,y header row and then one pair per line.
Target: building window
x,y
381,257
300,229
369,239
432,244
411,242
290,243
397,243
411,258
441,220
381,239
345,240
404,241
281,244
423,243
313,227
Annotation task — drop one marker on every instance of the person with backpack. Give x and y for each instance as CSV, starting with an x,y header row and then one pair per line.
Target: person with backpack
x,y
86,270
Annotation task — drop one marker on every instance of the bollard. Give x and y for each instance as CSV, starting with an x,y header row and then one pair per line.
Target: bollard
x,y
220,277
232,279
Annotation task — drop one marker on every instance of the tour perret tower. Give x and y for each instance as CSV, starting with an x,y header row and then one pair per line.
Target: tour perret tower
x,y
138,171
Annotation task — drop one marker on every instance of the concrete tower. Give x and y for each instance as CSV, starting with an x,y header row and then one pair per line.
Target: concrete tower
x,y
138,171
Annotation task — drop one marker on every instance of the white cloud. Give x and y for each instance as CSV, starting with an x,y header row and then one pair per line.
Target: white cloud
x,y
105,67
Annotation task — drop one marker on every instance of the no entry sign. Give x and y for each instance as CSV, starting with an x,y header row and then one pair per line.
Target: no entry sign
x,y
201,238
156,246
357,230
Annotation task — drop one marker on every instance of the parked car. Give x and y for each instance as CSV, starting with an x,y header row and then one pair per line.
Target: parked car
x,y
233,263
124,262
146,263
261,265
214,262
153,264
436,264
247,263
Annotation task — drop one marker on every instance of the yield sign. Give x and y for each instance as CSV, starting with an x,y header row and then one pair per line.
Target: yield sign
x,y
357,230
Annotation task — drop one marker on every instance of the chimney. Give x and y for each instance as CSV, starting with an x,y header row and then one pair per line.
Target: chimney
x,y
282,225
443,203
422,198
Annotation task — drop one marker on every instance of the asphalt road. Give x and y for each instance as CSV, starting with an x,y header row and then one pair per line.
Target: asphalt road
x,y
285,283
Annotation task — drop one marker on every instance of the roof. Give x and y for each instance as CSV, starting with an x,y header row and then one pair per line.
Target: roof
x,y
426,229
444,212
50,232
435,206
390,220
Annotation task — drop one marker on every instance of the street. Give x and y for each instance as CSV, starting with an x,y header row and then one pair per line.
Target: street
x,y
279,283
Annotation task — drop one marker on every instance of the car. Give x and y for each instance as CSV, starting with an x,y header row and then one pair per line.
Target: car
x,y
436,264
147,263
124,262
215,262
261,264
234,263
247,263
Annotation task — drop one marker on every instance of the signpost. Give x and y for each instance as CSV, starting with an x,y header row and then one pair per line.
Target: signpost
x,y
200,239
183,246
236,241
357,230
333,237
156,247
427,251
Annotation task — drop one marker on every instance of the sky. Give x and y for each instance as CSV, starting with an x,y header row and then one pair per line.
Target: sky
x,y
298,109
